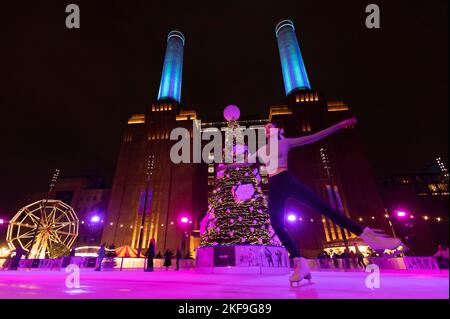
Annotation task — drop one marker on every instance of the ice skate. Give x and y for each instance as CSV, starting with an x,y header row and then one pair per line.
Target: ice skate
x,y
379,241
301,271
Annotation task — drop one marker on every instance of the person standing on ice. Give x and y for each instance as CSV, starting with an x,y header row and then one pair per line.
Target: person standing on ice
x,y
100,256
150,254
178,257
168,259
283,185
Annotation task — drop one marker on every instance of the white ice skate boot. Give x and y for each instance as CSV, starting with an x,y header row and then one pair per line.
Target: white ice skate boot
x,y
301,271
379,241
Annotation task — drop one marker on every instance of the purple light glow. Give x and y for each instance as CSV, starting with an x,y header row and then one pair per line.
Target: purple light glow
x,y
95,219
184,220
2,221
292,218
401,213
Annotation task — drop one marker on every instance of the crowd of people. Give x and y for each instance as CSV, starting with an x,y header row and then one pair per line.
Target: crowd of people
x,y
348,256
150,255
168,255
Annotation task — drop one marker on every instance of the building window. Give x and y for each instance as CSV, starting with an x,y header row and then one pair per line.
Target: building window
x,y
306,127
128,137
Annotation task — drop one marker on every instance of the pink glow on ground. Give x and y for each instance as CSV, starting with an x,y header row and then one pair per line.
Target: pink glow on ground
x,y
187,284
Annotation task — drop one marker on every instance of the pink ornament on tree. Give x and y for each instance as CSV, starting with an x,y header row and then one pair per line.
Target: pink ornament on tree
x,y
231,112
243,192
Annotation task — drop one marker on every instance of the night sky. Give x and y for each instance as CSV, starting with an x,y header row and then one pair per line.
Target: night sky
x,y
66,94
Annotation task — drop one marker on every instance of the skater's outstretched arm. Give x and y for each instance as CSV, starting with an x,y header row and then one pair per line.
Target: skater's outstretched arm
x,y
293,142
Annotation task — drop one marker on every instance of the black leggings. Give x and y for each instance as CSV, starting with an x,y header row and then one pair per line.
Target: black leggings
x,y
285,185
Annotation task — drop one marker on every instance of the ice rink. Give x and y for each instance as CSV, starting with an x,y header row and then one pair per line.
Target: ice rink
x,y
187,284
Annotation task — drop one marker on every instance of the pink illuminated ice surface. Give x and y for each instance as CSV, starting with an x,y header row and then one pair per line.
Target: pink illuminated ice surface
x,y
189,284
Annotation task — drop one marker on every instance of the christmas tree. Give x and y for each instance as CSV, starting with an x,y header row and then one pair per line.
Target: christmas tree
x,y
237,210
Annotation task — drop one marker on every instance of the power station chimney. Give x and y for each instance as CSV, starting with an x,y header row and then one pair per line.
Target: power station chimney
x,y
292,66
170,86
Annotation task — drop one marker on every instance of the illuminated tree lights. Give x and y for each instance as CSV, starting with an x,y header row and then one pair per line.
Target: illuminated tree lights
x,y
237,219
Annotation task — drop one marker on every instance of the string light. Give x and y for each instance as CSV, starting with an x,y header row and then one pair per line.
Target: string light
x,y
425,217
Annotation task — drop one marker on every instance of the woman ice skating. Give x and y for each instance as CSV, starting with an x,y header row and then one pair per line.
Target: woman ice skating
x,y
283,185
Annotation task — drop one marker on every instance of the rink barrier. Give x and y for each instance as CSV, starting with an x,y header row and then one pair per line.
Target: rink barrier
x,y
242,259
108,263
428,264
406,263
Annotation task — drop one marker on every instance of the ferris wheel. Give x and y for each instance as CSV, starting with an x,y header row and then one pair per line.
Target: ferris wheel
x,y
46,229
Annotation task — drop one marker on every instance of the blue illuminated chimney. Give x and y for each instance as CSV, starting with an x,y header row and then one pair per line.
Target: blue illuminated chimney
x,y
294,72
170,86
